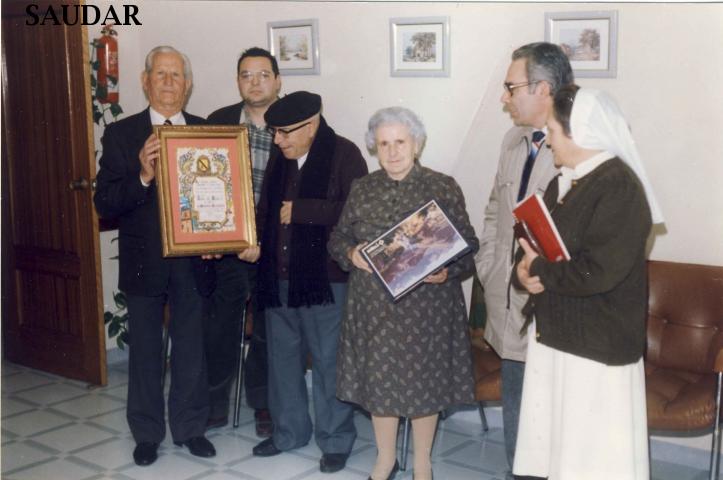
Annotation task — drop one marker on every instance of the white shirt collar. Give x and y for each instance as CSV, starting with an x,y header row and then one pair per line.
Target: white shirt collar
x,y
587,166
300,161
158,119
567,175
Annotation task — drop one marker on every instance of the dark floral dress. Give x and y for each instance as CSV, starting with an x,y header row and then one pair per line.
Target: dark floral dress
x,y
409,358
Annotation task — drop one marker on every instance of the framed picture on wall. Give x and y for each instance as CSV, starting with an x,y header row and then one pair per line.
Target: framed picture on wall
x,y
203,183
588,38
295,44
419,47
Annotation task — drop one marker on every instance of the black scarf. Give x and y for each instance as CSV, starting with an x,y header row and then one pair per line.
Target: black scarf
x,y
308,276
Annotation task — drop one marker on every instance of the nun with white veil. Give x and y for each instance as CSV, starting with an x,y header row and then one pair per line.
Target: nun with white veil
x,y
583,413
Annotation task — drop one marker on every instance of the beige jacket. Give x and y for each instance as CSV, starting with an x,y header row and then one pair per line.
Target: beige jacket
x,y
494,259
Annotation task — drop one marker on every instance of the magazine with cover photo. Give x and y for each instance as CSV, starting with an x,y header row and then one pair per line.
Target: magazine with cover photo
x,y
414,248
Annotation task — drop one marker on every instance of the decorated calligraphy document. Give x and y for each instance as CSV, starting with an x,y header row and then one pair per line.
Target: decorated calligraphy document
x,y
204,190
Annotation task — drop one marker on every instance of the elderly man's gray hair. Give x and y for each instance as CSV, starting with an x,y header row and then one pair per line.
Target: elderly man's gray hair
x,y
392,115
166,49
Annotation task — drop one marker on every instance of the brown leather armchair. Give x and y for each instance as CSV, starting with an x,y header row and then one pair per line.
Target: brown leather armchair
x,y
486,363
684,357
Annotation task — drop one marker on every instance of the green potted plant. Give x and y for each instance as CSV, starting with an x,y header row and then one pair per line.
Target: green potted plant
x,y
117,320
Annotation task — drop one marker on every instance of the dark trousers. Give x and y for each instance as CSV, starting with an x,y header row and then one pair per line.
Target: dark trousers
x,y
235,281
512,375
188,396
292,332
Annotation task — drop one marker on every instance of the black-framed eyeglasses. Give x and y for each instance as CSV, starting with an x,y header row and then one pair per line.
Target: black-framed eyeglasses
x,y
262,76
509,86
284,132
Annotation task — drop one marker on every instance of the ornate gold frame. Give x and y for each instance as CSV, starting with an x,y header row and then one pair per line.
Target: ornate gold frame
x,y
180,231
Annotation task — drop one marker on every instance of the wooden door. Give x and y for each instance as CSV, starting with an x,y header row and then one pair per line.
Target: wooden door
x,y
52,294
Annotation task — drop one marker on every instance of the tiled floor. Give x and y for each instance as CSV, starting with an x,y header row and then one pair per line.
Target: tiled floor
x,y
58,429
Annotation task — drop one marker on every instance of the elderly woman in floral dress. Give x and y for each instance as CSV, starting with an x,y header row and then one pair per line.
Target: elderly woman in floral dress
x,y
408,358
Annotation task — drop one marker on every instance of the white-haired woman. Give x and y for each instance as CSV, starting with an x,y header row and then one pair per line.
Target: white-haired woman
x,y
583,411
410,358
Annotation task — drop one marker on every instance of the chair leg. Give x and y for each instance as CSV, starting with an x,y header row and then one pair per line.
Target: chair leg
x,y
483,417
405,444
164,360
715,451
240,370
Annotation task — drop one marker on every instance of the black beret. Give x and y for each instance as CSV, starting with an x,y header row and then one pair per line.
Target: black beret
x,y
293,108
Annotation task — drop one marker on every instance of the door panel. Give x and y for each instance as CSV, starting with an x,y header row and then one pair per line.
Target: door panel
x,y
52,297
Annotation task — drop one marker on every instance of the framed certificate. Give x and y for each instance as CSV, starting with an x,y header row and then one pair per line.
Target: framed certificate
x,y
407,253
205,195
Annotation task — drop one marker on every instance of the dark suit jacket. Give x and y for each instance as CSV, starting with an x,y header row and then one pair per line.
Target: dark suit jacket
x,y
230,115
120,193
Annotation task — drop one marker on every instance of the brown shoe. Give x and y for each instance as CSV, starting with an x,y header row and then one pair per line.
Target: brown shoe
x,y
216,423
264,425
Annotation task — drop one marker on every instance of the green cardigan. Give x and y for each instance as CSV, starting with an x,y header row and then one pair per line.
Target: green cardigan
x,y
594,305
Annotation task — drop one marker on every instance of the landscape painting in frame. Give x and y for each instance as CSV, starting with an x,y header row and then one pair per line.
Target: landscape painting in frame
x,y
295,45
589,39
419,47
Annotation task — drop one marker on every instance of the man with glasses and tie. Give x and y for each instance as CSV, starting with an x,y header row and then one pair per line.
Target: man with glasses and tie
x,y
303,291
127,191
537,71
259,82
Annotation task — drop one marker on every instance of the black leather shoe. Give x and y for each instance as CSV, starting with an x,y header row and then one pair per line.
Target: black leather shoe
x,y
332,462
199,447
266,449
393,473
145,453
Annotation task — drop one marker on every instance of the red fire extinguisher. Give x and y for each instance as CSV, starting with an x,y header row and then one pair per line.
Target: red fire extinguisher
x,y
107,51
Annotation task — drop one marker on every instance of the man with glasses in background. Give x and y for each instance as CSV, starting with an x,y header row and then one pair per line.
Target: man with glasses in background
x,y
536,73
303,291
259,83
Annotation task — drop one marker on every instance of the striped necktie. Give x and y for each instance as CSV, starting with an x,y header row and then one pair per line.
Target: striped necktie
x,y
168,122
537,140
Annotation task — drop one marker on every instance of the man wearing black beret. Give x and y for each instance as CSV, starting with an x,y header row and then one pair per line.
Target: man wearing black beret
x,y
301,288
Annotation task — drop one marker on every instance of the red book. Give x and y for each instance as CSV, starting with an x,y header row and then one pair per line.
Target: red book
x,y
535,224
